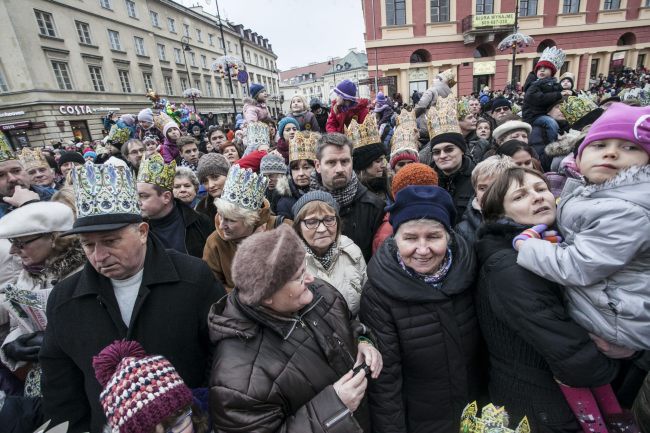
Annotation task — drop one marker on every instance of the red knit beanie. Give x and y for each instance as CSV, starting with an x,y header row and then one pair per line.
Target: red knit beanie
x,y
414,174
546,64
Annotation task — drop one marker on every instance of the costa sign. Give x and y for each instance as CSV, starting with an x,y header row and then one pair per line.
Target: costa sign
x,y
75,109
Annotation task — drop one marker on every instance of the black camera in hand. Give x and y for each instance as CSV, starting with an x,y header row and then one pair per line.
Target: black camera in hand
x,y
360,367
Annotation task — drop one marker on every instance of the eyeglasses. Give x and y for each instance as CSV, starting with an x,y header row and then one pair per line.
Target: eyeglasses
x,y
446,149
21,244
313,223
181,422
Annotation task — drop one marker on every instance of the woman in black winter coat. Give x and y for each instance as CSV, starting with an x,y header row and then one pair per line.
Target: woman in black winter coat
x,y
419,304
531,339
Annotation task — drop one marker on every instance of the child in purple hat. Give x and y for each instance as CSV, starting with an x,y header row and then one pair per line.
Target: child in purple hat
x,y
346,107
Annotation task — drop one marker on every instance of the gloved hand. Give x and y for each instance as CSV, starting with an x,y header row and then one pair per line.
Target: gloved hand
x,y
536,232
25,347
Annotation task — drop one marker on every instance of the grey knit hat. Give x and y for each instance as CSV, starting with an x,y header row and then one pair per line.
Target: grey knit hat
x,y
272,164
214,164
323,196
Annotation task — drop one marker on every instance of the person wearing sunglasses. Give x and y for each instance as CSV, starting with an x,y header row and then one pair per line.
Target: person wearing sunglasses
x,y
331,256
500,107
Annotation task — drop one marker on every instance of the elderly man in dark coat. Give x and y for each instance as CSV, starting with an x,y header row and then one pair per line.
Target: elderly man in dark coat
x,y
131,288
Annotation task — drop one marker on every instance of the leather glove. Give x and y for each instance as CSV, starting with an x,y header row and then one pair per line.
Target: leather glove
x,y
25,347
537,232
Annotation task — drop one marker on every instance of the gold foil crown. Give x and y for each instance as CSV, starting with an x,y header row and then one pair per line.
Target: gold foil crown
x,y
363,134
153,170
443,117
6,154
160,120
576,107
463,108
303,146
493,419
32,158
448,76
405,136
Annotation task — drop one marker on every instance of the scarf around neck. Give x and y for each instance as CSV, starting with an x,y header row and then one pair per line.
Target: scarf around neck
x,y
433,279
327,259
344,196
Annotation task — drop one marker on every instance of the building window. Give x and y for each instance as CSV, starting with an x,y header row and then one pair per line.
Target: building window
x,y
114,37
564,68
45,23
593,71
169,87
124,80
154,19
186,30
640,61
83,31
96,78
248,56
211,39
571,6
197,84
439,11
161,53
236,49
3,83
106,4
208,87
527,8
177,56
484,7
148,82
204,61
219,88
395,12
62,75
199,36
267,63
139,46
257,59
192,58
229,47
130,8
184,84
221,45
612,5
171,25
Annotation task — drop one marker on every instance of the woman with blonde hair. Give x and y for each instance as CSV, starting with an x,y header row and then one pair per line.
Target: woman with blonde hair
x,y
300,111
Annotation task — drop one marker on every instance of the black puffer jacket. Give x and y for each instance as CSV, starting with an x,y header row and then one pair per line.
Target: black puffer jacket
x,y
472,219
530,337
458,185
429,339
540,97
362,219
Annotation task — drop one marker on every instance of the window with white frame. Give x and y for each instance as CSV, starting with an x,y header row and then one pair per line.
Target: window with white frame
x,y
45,23
236,48
114,38
184,84
197,84
211,38
139,46
155,21
208,87
612,5
571,6
229,47
83,31
124,80
257,59
171,25
161,53
219,87
96,78
62,75
248,56
169,85
130,8
177,56
199,36
484,7
439,11
192,59
266,61
527,8
204,61
186,30
3,83
395,12
106,4
148,82
221,45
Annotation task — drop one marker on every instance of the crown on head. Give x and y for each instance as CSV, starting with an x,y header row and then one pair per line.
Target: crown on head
x,y
119,135
160,120
153,170
6,154
363,134
257,134
406,132
303,146
448,76
493,419
443,117
463,108
32,158
577,106
244,188
515,108
553,55
104,190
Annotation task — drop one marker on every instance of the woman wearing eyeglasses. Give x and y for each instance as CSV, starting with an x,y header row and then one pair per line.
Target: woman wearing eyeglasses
x,y
331,256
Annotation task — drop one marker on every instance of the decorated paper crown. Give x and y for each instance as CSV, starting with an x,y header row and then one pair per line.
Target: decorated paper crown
x,y
576,107
443,117
257,134
494,419
244,188
463,108
515,108
32,158
448,76
153,170
303,146
636,94
6,154
160,120
554,55
119,135
363,134
405,136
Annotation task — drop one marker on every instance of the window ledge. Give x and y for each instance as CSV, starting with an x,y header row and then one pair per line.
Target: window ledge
x,y
156,27
163,61
572,14
134,18
143,56
107,9
194,67
180,64
612,10
83,44
118,51
51,38
441,23
397,27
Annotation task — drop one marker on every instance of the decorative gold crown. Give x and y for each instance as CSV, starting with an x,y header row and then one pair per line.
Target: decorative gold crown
x,y
160,120
153,170
104,190
244,188
443,117
576,107
303,146
119,135
6,154
493,419
407,117
448,76
32,158
463,108
364,134
405,136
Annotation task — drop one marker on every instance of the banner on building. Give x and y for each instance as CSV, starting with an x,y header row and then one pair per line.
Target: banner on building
x,y
485,68
493,20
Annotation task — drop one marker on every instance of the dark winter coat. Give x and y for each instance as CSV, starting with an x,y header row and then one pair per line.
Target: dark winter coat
x,y
476,149
531,338
470,223
540,97
206,207
458,185
307,121
362,218
429,339
169,318
285,202
321,118
275,374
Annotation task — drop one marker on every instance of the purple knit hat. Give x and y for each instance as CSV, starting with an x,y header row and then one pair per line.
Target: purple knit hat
x,y
621,121
346,90
140,391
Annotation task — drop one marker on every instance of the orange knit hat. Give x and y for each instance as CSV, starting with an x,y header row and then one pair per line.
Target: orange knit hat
x,y
414,174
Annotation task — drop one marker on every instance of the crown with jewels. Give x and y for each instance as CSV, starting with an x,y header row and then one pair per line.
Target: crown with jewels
x,y
104,190
493,419
515,108
463,108
244,188
303,146
363,134
32,158
257,134
160,120
576,107
554,55
448,76
153,170
405,136
119,135
443,117
6,154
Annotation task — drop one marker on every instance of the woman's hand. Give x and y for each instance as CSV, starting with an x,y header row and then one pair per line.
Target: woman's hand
x,y
371,356
611,350
351,388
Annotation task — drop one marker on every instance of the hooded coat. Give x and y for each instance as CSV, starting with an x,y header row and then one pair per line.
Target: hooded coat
x,y
254,111
338,120
429,340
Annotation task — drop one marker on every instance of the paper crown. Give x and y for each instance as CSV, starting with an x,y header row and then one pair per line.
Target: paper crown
x,y
405,135
443,117
463,108
554,55
6,154
160,120
119,135
104,190
32,158
515,108
257,134
448,76
576,107
153,170
363,134
244,188
303,146
493,419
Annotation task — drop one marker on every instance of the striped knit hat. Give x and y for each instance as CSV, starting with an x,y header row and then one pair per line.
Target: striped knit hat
x,y
140,391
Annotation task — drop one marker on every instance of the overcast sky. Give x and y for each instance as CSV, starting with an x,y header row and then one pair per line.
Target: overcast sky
x,y
301,31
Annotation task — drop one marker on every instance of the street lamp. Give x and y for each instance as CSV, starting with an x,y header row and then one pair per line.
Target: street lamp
x,y
185,46
516,41
232,90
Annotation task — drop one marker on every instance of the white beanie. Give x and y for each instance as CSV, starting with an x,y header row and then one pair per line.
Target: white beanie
x,y
169,125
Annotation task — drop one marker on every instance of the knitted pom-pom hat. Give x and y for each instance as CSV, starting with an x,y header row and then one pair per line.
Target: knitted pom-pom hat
x,y
140,391
414,174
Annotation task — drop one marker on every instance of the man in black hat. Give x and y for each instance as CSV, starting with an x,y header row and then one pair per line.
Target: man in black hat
x,y
320,112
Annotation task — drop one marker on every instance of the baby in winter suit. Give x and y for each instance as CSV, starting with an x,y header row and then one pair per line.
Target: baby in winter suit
x,y
605,259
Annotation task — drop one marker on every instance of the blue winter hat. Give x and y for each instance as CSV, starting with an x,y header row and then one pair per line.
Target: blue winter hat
x,y
255,89
422,201
346,90
284,122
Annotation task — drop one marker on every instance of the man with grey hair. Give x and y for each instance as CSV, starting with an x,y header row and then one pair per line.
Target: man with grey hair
x,y
361,211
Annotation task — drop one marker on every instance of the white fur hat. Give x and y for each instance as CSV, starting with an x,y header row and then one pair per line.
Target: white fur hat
x,y
36,218
509,126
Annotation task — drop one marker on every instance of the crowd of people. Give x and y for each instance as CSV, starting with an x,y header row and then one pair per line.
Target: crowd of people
x,y
357,266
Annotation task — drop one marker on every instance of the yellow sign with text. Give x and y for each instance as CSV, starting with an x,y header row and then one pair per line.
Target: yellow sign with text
x,y
493,20
485,68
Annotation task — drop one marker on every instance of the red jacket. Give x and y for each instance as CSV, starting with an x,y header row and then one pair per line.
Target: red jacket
x,y
385,230
337,121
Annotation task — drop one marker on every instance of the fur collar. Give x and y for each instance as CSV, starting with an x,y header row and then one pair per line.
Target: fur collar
x,y
61,266
564,145
282,186
630,176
